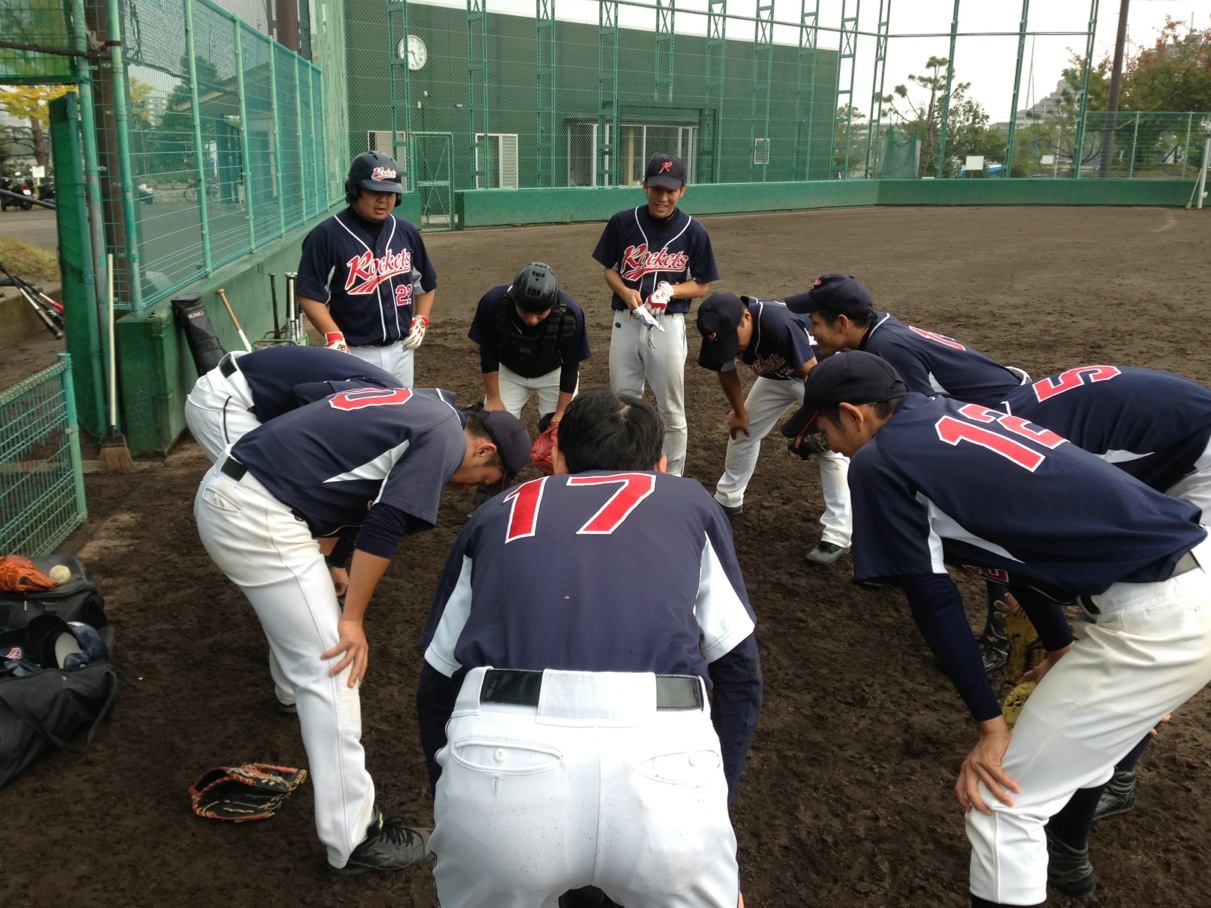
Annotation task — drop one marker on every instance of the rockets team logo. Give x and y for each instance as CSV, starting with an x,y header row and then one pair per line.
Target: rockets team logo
x,y
774,363
638,261
666,167
366,271
382,173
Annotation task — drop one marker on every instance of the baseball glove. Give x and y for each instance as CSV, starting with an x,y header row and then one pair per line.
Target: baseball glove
x,y
20,575
254,791
1025,648
1011,709
804,446
541,453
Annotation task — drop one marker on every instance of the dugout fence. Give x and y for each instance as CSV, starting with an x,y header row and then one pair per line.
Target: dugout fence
x,y
41,471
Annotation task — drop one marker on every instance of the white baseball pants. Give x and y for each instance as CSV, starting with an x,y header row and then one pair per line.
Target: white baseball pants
x,y
393,358
218,409
767,400
516,390
273,558
1145,653
635,365
593,786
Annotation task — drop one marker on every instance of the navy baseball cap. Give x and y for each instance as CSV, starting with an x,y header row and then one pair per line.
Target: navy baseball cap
x,y
842,294
511,439
718,317
665,170
845,377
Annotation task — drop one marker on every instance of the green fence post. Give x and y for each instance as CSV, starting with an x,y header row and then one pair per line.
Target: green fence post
x,y
75,460
245,172
1135,141
1186,146
277,138
122,124
198,150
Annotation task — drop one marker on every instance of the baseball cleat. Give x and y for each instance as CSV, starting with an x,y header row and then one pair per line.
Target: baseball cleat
x,y
1119,796
826,553
389,845
1068,869
732,510
995,653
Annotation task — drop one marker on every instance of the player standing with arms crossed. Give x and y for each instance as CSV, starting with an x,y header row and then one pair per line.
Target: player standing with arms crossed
x,y
273,507
659,258
777,345
365,279
532,340
563,698
936,482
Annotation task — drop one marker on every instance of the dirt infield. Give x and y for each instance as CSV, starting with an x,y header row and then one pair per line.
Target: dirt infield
x,y
847,797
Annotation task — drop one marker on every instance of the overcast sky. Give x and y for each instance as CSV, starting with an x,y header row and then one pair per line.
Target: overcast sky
x,y
985,55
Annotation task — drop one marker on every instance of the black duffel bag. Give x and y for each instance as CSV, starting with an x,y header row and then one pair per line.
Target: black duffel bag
x,y
57,683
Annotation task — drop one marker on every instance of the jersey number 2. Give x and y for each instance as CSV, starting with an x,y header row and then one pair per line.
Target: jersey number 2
x,y
952,431
527,499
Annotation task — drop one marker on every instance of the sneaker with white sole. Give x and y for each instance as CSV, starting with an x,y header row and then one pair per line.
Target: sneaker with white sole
x,y
1068,868
1119,796
826,552
389,845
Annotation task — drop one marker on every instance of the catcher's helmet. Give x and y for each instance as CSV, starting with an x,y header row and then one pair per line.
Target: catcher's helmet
x,y
375,171
535,289
55,643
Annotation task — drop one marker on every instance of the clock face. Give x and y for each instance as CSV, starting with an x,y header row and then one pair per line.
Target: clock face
x,y
416,52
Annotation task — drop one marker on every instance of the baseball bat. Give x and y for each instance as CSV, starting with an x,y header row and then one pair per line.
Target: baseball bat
x,y
293,320
273,294
18,279
235,321
29,298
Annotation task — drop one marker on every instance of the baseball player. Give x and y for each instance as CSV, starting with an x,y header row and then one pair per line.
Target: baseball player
x,y
776,344
843,317
1154,425
657,259
272,508
247,389
564,696
532,340
365,280
937,481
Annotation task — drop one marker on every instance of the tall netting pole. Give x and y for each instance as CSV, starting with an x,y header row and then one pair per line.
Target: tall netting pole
x,y
1017,84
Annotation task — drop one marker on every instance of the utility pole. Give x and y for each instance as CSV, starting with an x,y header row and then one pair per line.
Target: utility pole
x,y
1116,80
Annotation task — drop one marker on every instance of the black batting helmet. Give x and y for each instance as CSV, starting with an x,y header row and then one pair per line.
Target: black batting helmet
x,y
375,171
535,289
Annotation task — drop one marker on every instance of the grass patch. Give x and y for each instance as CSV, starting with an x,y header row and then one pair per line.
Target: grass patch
x,y
36,265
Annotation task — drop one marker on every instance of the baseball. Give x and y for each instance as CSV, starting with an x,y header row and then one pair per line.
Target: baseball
x,y
60,573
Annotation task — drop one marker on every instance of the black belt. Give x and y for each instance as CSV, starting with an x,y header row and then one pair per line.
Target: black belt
x,y
521,688
1184,565
233,468
227,366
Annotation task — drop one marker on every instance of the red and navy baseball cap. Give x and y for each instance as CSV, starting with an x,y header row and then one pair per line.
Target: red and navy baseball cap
x,y
511,438
839,294
665,170
845,377
718,317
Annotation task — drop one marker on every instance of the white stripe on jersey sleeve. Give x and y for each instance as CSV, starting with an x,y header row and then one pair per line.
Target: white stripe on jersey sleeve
x,y
722,617
455,614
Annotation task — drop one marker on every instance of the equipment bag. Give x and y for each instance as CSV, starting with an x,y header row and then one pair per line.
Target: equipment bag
x,y
50,707
75,599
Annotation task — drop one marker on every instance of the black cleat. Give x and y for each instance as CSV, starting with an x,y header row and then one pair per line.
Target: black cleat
x,y
389,845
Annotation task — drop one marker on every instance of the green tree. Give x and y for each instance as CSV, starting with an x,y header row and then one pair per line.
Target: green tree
x,y
1172,75
849,145
967,123
28,103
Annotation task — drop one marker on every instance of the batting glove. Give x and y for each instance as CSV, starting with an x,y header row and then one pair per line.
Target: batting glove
x,y
334,340
658,302
416,333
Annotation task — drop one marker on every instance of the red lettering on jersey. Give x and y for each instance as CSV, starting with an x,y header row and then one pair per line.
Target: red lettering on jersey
x,y
638,261
369,397
1072,378
523,515
371,271
996,575
764,365
952,431
940,338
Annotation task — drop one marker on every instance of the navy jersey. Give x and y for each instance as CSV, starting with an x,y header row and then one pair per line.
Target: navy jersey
x,y
534,580
367,280
372,458
932,363
943,482
781,343
1153,425
645,252
560,340
285,376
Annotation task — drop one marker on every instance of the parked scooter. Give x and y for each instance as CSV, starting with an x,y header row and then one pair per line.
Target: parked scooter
x,y
144,193
18,187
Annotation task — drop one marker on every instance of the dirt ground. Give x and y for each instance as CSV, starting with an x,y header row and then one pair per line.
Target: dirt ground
x,y
847,796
